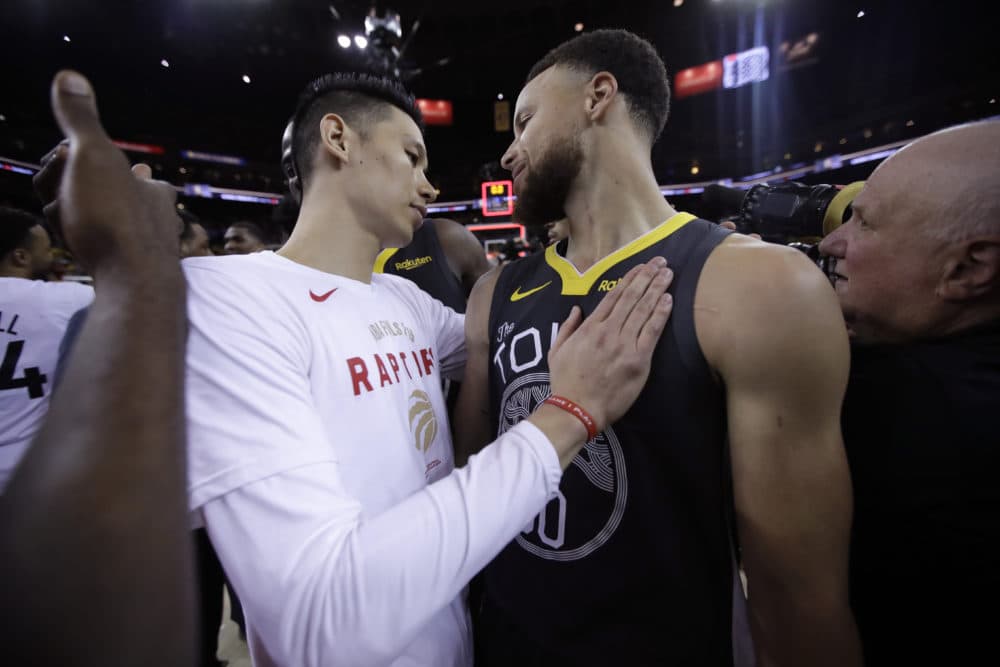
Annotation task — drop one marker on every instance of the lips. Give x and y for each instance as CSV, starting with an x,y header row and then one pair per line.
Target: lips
x,y
517,171
422,210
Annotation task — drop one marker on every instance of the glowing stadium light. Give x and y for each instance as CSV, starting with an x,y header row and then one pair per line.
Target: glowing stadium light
x,y
66,38
132,147
360,41
578,27
344,41
861,14
678,3
164,63
213,157
246,78
25,171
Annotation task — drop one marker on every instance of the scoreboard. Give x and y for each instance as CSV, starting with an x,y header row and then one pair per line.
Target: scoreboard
x,y
498,198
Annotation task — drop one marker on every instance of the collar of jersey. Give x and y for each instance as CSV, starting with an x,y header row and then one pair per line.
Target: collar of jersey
x,y
383,258
576,284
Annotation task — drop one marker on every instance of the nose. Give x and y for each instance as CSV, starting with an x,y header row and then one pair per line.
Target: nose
x,y
427,191
507,161
834,244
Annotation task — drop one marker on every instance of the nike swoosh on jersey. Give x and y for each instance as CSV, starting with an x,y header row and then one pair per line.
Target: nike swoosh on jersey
x,y
320,298
518,294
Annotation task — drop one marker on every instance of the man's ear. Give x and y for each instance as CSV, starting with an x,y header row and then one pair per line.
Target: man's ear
x,y
19,257
972,273
334,136
601,92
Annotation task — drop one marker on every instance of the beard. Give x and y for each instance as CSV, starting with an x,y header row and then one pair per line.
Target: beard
x,y
546,188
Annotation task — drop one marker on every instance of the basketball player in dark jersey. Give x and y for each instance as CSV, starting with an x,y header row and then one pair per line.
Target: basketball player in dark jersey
x,y
734,446
444,259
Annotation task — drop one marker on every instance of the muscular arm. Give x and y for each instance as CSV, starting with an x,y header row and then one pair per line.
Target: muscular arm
x,y
472,423
93,526
465,254
770,325
97,503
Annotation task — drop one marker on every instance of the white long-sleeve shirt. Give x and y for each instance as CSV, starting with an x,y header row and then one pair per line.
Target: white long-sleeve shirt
x,y
321,462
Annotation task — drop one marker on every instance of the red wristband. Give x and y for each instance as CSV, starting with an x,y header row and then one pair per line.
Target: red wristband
x,y
578,412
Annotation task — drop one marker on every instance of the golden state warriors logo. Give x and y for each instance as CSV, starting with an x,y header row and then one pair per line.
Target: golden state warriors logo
x,y
423,421
590,503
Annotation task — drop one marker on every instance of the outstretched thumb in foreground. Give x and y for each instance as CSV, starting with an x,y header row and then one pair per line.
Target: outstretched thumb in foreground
x,y
75,107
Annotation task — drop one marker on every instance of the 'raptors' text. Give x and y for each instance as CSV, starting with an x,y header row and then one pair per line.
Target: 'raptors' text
x,y
387,369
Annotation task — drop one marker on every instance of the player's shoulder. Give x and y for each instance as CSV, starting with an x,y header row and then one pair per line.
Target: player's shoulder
x,y
218,266
402,291
255,289
66,295
747,268
755,299
397,285
482,291
236,274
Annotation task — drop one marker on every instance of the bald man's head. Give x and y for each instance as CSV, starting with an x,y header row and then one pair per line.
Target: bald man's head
x,y
920,255
951,181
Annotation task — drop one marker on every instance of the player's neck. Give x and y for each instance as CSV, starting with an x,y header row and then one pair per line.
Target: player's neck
x,y
336,244
7,271
612,206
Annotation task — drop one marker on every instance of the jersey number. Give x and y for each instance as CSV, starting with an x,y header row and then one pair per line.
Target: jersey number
x,y
544,522
33,379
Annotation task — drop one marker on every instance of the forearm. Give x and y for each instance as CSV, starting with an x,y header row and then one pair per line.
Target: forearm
x,y
796,628
98,503
566,433
359,590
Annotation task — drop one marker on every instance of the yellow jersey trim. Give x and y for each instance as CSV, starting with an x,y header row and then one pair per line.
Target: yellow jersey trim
x,y
576,284
382,258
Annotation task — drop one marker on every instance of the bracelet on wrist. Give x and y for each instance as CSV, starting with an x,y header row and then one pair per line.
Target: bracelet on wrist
x,y
569,406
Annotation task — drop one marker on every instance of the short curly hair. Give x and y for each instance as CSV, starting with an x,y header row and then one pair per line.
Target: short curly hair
x,y
15,228
359,98
634,62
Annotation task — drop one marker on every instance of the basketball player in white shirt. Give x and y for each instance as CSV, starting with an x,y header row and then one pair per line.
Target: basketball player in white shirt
x,y
33,318
320,455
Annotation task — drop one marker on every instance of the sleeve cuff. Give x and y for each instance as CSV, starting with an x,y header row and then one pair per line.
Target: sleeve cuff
x,y
544,452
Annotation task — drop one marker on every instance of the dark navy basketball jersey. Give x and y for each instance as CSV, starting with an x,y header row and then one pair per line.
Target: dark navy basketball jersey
x,y
631,563
424,263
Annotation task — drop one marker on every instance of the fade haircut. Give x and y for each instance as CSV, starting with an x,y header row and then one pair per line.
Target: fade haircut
x,y
253,228
361,99
15,226
633,61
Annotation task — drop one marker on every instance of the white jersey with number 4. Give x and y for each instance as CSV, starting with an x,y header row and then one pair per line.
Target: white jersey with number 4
x,y
33,318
